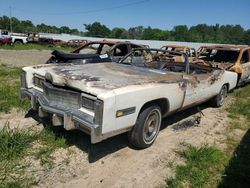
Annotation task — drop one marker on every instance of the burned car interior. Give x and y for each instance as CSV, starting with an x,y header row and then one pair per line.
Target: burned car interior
x,y
164,60
219,55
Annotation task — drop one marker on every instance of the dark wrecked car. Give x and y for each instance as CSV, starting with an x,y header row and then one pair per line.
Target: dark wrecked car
x,y
95,52
133,95
235,58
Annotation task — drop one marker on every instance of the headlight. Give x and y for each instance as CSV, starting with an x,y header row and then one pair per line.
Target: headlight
x,y
38,81
23,79
98,112
95,105
88,103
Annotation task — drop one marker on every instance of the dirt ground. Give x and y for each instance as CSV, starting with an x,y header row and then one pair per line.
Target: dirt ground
x,y
22,58
113,162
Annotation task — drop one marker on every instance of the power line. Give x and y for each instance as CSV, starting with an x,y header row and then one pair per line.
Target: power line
x,y
88,11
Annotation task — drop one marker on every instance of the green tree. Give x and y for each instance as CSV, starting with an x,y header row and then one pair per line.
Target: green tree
x,y
97,30
5,23
136,32
65,29
119,33
246,37
180,33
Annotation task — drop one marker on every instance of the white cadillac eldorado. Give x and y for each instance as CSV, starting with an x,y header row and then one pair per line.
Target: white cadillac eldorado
x,y
133,95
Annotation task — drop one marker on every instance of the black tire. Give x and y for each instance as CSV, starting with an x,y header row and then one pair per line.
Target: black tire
x,y
219,99
18,42
146,128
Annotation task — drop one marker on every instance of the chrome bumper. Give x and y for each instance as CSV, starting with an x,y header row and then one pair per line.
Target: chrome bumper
x,y
69,118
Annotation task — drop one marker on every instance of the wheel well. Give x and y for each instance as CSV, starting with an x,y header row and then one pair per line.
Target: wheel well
x,y
238,78
163,103
18,40
227,84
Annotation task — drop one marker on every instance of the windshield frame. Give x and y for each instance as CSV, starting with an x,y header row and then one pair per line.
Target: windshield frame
x,y
158,50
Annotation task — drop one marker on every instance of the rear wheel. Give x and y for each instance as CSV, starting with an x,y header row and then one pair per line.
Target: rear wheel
x,y
219,99
146,128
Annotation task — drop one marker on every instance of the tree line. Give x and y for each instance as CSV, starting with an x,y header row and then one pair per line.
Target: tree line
x,y
24,26
227,34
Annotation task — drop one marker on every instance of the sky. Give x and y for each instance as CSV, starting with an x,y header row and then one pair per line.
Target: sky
x,y
162,14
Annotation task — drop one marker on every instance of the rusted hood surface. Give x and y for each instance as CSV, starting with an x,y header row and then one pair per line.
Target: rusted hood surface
x,y
103,77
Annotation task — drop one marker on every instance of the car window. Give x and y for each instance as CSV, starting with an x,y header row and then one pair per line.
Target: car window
x,y
4,33
245,57
90,49
121,50
105,49
218,55
133,46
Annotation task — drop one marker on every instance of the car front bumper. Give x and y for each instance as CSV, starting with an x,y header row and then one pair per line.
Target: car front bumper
x,y
68,117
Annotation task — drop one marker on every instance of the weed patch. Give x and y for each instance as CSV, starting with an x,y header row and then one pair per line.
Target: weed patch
x,y
241,106
14,142
203,164
9,89
17,144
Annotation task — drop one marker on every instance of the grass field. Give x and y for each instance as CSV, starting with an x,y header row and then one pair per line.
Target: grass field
x,y
9,89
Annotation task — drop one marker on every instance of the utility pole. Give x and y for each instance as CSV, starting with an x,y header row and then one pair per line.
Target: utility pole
x,y
10,21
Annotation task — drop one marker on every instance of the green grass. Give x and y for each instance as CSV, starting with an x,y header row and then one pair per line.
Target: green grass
x,y
16,144
32,46
241,106
203,167
13,146
50,141
9,89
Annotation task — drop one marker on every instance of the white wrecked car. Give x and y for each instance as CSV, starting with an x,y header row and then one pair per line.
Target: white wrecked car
x,y
132,96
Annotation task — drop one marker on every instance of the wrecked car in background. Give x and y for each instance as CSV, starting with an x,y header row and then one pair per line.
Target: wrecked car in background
x,y
191,52
133,95
76,43
235,58
95,52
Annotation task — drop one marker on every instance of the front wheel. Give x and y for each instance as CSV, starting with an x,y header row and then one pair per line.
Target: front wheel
x,y
146,128
219,99
18,42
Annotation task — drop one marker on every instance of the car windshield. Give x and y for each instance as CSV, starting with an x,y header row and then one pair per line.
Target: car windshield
x,y
152,58
96,48
219,55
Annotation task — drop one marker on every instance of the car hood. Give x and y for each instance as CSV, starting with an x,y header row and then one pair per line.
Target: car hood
x,y
102,77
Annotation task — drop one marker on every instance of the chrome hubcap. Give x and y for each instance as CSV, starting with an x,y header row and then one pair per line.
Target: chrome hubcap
x,y
223,94
151,126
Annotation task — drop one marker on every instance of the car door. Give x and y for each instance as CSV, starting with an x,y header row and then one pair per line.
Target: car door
x,y
245,62
200,88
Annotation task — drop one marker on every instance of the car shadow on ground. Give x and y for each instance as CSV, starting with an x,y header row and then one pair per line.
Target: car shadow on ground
x,y
237,173
113,144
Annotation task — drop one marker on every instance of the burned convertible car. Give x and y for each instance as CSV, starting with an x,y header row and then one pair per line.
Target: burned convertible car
x,y
95,52
133,95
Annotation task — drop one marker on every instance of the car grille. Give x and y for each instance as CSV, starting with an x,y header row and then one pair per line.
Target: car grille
x,y
62,97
